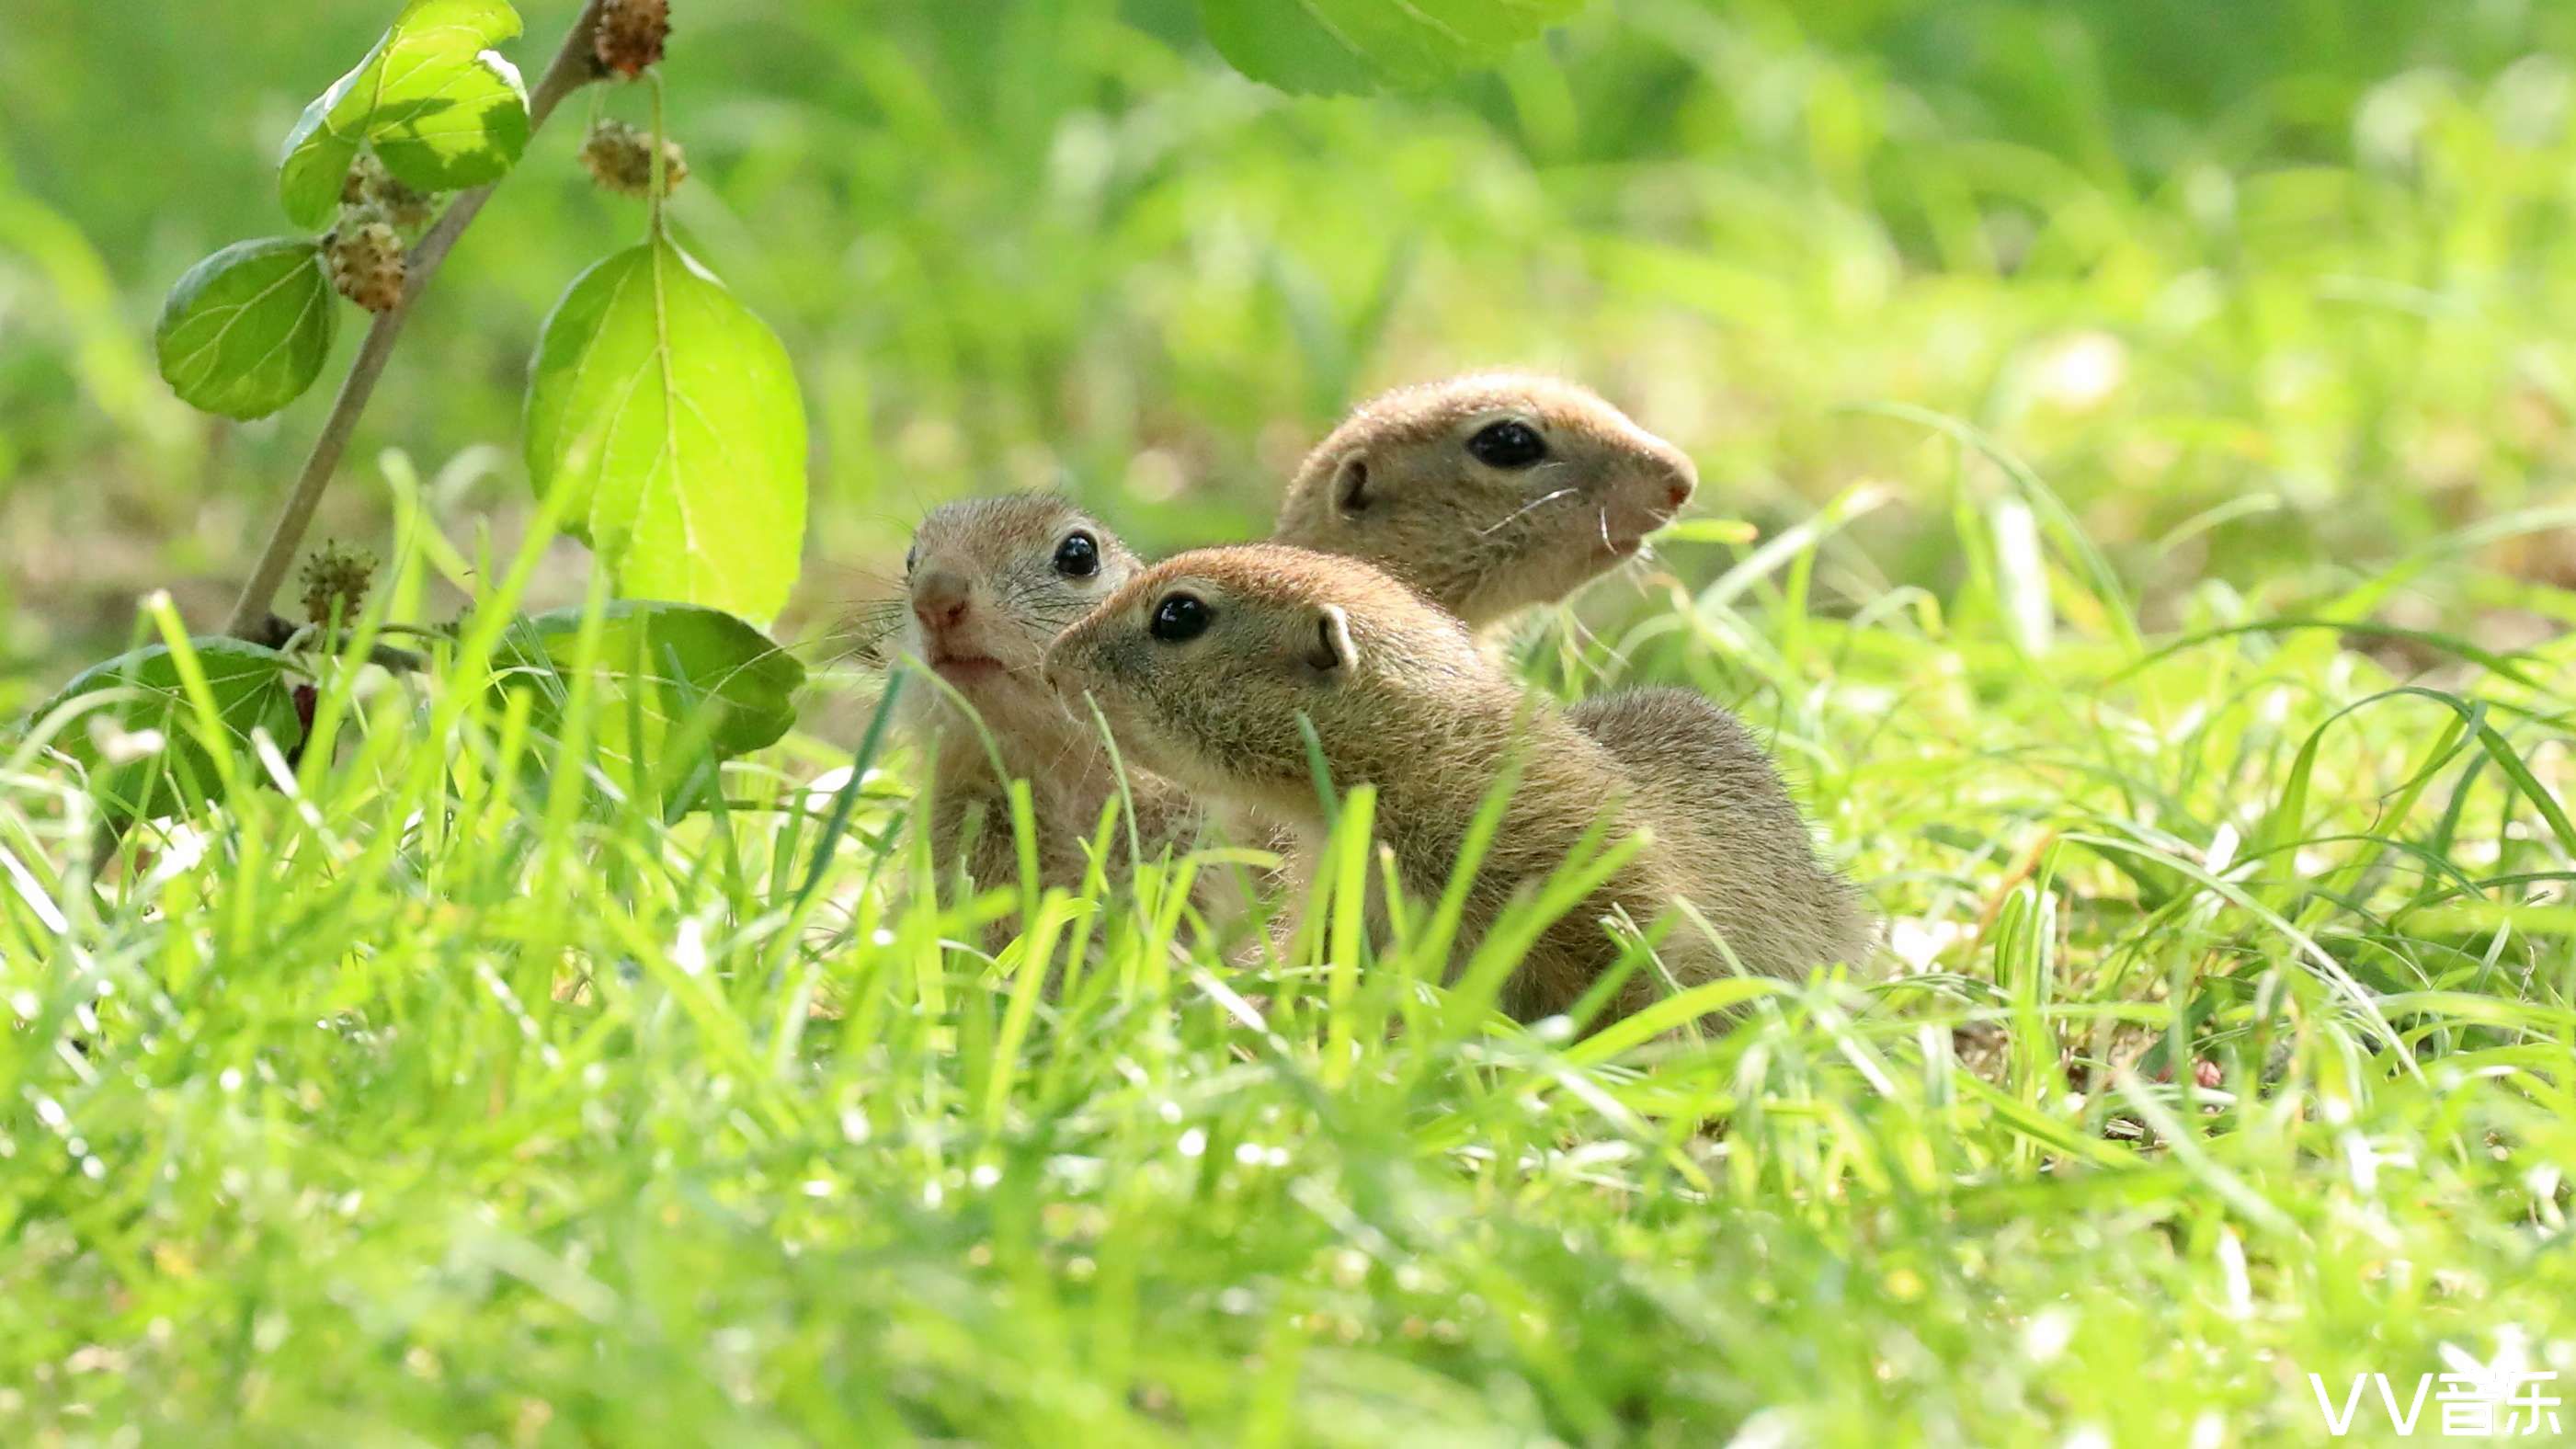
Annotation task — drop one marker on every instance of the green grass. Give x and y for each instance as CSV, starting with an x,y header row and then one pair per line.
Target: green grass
x,y
2161,446
433,1098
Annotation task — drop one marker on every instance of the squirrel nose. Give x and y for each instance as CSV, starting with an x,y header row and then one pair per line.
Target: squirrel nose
x,y
1682,480
939,599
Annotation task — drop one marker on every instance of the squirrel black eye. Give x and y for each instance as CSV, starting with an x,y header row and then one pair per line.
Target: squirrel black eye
x,y
1510,443
1078,557
1179,618
911,556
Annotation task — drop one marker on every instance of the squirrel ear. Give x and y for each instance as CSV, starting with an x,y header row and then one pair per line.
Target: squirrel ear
x,y
1333,649
1350,484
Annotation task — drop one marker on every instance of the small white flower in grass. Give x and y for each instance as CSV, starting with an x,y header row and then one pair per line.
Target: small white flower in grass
x,y
820,790
50,1112
2081,371
273,761
1863,699
817,1187
985,1175
689,946
117,745
2222,850
2231,1266
1919,941
1769,1429
2364,1160
2047,1334
181,850
1554,1030
2542,1183
25,1004
1193,1143
2088,1437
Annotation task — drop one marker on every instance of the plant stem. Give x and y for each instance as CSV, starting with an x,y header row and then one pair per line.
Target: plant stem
x,y
573,67
657,183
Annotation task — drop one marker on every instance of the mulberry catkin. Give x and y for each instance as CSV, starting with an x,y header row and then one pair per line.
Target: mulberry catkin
x,y
630,34
365,256
335,583
620,158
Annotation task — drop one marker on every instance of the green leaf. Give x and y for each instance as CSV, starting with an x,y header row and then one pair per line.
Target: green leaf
x,y
671,415
708,675
441,109
136,696
1344,46
245,332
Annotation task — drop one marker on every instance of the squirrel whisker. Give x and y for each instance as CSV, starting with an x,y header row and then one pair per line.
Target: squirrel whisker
x,y
1544,498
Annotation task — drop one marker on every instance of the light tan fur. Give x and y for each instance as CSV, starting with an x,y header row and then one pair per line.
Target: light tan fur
x,y
1712,796
1398,484
984,597
1400,697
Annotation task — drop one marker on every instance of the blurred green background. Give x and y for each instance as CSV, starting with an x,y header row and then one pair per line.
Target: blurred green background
x,y
2309,264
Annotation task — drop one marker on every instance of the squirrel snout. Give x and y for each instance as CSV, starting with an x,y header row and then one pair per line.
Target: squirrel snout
x,y
939,599
1681,479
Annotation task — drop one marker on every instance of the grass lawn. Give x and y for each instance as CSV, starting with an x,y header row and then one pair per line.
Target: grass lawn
x,y
2157,458
432,1098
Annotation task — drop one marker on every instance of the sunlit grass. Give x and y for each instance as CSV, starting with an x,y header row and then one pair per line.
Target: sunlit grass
x,y
2158,444
436,1095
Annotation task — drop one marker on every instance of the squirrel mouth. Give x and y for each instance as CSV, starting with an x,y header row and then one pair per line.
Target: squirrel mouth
x,y
962,668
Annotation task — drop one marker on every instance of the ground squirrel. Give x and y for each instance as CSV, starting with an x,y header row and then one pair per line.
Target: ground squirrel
x,y
1203,664
1709,789
1489,493
989,582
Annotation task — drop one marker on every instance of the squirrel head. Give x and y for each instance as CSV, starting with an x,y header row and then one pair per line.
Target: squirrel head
x,y
1490,492
988,583
1204,665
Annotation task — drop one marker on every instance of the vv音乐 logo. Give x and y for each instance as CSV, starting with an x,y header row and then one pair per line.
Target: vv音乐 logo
x,y
2504,1398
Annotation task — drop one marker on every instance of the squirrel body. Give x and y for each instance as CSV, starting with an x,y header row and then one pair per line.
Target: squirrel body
x,y
988,583
1711,794
1204,664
